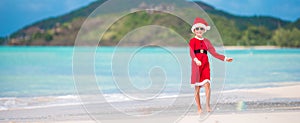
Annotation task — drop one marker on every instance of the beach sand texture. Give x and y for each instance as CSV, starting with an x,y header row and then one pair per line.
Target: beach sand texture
x,y
271,105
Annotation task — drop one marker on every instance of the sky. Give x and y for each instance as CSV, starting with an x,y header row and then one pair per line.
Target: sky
x,y
16,14
284,9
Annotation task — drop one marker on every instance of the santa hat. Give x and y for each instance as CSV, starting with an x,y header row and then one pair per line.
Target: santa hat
x,y
199,22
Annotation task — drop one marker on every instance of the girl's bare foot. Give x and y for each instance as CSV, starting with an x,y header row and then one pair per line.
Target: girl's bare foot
x,y
199,111
208,108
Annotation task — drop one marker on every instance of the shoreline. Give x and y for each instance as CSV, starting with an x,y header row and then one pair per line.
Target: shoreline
x,y
273,90
237,103
77,114
251,47
225,47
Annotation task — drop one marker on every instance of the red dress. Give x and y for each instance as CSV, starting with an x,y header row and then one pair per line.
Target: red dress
x,y
201,74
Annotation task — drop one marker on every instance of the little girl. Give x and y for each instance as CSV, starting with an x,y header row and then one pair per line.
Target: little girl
x,y
200,63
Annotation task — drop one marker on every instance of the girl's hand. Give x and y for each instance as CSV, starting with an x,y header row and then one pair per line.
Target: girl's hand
x,y
229,59
197,61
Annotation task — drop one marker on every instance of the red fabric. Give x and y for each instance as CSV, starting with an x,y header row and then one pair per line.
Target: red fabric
x,y
200,20
200,73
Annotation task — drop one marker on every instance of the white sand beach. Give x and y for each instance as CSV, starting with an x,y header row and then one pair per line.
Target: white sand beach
x,y
268,112
278,117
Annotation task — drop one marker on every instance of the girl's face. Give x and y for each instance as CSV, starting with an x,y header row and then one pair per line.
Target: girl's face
x,y
199,31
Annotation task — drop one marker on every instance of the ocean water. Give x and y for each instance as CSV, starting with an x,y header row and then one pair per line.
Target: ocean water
x,y
43,76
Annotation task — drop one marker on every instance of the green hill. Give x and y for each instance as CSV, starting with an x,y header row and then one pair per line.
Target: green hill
x,y
235,30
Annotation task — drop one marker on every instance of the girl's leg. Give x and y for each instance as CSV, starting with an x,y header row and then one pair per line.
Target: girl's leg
x,y
207,93
197,98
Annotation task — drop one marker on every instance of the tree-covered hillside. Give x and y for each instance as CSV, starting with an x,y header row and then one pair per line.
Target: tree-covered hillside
x,y
235,30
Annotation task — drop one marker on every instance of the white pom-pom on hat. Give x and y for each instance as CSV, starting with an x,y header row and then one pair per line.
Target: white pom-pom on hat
x,y
199,22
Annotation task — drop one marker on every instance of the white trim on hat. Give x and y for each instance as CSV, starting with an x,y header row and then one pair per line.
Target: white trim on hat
x,y
200,25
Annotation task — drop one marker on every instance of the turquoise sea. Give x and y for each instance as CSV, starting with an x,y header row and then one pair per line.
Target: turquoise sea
x,y
31,76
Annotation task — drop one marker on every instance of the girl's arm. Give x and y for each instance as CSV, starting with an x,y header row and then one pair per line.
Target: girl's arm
x,y
192,53
212,51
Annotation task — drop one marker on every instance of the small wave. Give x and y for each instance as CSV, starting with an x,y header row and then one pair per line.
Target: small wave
x,y
14,103
11,103
122,97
